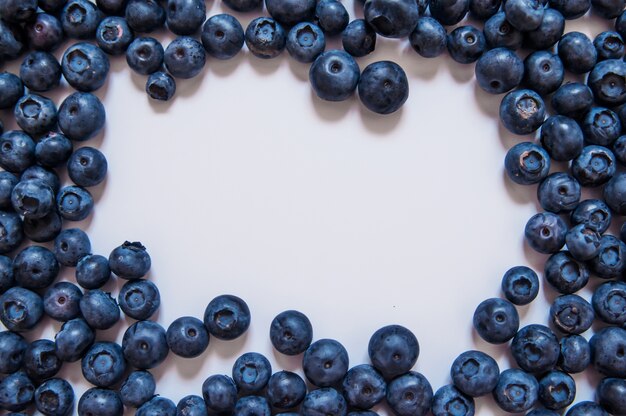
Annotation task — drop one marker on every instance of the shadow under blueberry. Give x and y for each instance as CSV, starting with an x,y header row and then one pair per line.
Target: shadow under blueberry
x,y
380,124
332,111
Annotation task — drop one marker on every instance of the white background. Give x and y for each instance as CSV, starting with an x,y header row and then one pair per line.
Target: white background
x,y
248,184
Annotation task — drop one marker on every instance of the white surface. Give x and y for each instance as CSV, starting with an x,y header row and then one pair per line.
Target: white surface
x,y
248,184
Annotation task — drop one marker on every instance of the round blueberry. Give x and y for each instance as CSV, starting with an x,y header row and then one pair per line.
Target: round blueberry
x,y
358,38
102,402
325,362
562,138
145,55
520,285
364,387
285,390
334,76
466,44
305,41
324,401
40,71
410,394
138,388
393,350
265,38
145,345
475,373
227,317
81,116
522,111
391,19
516,391
496,320
104,364
93,271
499,70
220,394
99,309
114,35
575,355
61,301
448,399
73,340
291,332
222,36
20,309
130,260
545,232
187,337
251,372
85,67
383,87
74,203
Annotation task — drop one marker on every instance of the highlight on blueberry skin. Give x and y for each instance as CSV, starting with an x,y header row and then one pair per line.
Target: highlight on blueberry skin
x,y
391,18
383,87
334,75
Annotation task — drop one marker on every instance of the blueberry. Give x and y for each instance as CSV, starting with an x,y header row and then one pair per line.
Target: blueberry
x,y
290,12
475,373
158,405
137,389
12,347
74,203
7,183
51,6
160,86
527,163
130,260
35,114
383,87
252,405
139,299
611,394
93,271
325,362
542,412
184,17
549,31
609,9
571,314
87,166
145,345
410,394
559,192
12,233
222,36
619,149
251,372
484,9
611,260
220,394
325,401
522,111
595,166
609,302
535,348
393,350
101,402
16,391
73,340
516,391
54,397
114,35
291,332
562,138
61,301
449,12
191,405
575,355
331,16
577,52
428,38
364,387
586,408
601,126
499,70
565,274
112,7
392,18
81,116
48,176
285,390
40,360
571,9
20,309
557,390
265,38
583,242
524,15
104,364
144,15
18,10
543,72
607,81
187,336
620,24
11,40
609,45
40,71
615,193
99,309
607,351
184,57
572,100
71,245
334,75
145,55
227,317
85,67
35,267
545,232
43,229
520,285
496,320
466,44
305,41
32,199
80,18
358,38
448,399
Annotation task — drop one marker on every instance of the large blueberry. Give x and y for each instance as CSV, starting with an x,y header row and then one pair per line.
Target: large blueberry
x,y
575,354
99,309
103,365
527,163
522,111
73,340
54,397
85,67
145,55
383,87
130,260
285,390
222,36
496,320
291,332
562,138
20,309
325,362
475,373
545,232
577,52
391,18
410,394
251,372
393,350
334,75
290,12
466,44
520,285
358,38
429,37
80,18
145,345
448,399
220,394
44,33
449,12
305,41
607,351
265,38
40,71
101,402
61,301
571,314
325,401
114,35
138,388
81,116
535,348
499,70
516,391
187,336
184,57
139,299
184,17
609,302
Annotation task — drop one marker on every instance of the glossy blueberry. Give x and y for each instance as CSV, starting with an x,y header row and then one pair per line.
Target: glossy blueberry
x,y
144,15
220,394
101,402
265,38
620,24
12,347
364,387
54,397
99,309
7,183
611,260
543,72
184,17
285,390
393,350
145,345
607,81
305,41
586,408
114,35
35,114
545,232
252,405
358,38
251,372
104,364
32,199
524,15
575,355
619,149
466,44
573,100
594,166
496,320
577,52
608,9
410,394
325,401
609,45
158,405
145,55
81,116
184,57
449,400
18,10
85,67
520,285
74,203
227,317
40,360
611,395
291,332
244,5
47,176
499,70
571,314
12,233
557,390
609,302
383,87
73,340
87,167
392,18
138,388
615,193
35,267
44,33
130,260
325,362
522,111
331,16
80,18
93,271
43,229
549,31
112,7
542,412
61,301
16,391
428,38
187,336
449,12
562,138
583,242
40,71
139,299
191,405
601,126
484,9
51,6
516,391
11,40
535,348
565,274
607,351
290,12
20,309
222,36
527,163
571,9
559,192
334,75
475,373
71,245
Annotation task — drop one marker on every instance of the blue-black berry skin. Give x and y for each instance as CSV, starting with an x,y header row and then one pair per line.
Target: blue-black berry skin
x,y
12,347
586,408
429,37
61,301
559,192
99,309
545,232
475,373
184,57
499,70
244,5
571,9
562,138
251,372
130,260
184,17
611,259
571,314
71,245
81,116
219,393
20,309
608,9
54,397
607,347
595,166
607,82
391,19
187,336
466,44
138,388
289,12
527,163
74,203
47,176
12,45
577,52
73,340
449,12
331,16
35,267
80,19
449,399
112,7
334,75
543,72
325,362
161,86
191,405
609,45
40,361
496,320
145,55
499,33
104,364
14,234
364,387
43,229
158,405
252,405
524,15
265,37
114,35
608,302
16,392
516,391
44,33
484,9
615,193
222,36
18,10
565,274
549,31
535,348
291,332
520,285
35,114
85,66
393,350
139,299
572,99
410,394
305,41
358,38
102,402
7,183
383,87
575,355
144,16
145,345
285,390
40,71
325,401
601,126
611,395
522,111
227,317
583,242
557,390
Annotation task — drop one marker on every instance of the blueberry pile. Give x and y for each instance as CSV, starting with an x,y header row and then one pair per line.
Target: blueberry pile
x,y
579,130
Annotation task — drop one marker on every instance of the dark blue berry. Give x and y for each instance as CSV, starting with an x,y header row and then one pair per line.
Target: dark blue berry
x,y
40,71
145,55
562,138
475,373
410,394
12,347
428,38
158,405
130,260
35,114
325,401
607,81
265,38
594,166
565,274
573,100
101,402
325,362
499,70
20,309
496,320
184,17
187,336
615,193
557,390
74,203
334,75
144,15
61,301
609,302
577,52
73,340
81,116
35,267
11,224
449,400
54,397
290,12
114,35
80,19
305,41
535,348
611,394
44,33
16,391
137,389
548,33
607,351
18,10
285,390
571,9
331,16
184,57
575,355
608,9
543,72
291,332
383,87
252,405
527,163
601,126
40,361
85,67
559,192
449,12
484,9
71,245
227,317
93,271
609,45
99,309
392,18
139,299
191,405
520,285
104,364
611,259
358,38
222,36
516,391
251,372
145,345
499,33
522,111
524,15
466,44
571,314
545,232
220,394
393,350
